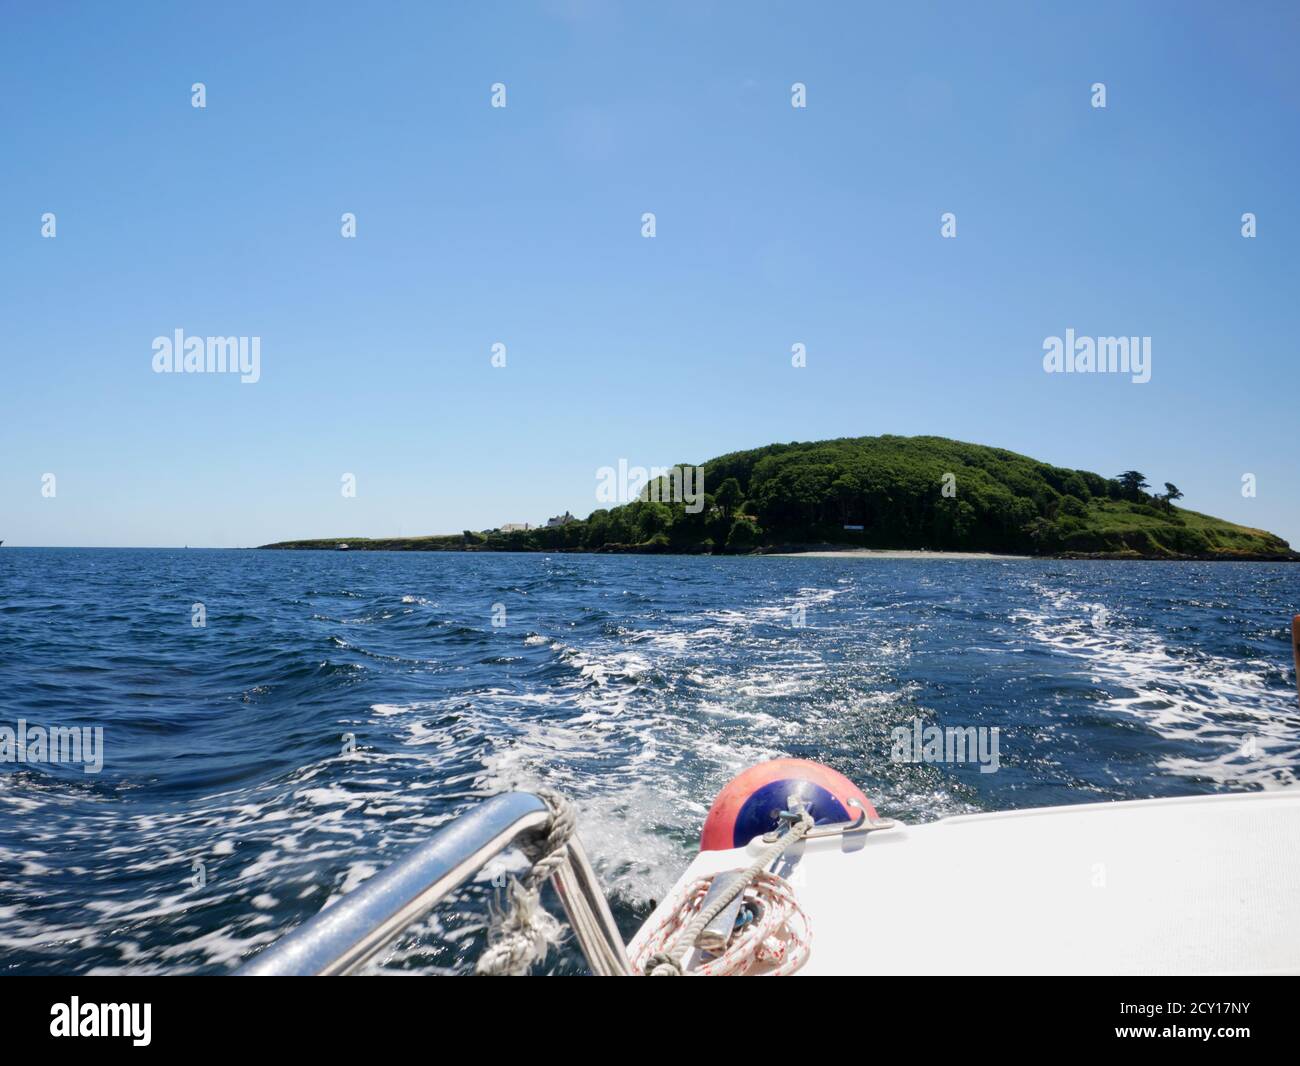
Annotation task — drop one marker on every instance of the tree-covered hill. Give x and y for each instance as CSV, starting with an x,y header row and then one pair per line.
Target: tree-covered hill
x,y
885,492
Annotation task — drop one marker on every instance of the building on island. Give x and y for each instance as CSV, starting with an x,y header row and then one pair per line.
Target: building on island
x,y
516,527
560,520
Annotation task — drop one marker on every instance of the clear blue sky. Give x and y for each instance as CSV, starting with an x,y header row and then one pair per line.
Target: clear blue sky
x,y
522,225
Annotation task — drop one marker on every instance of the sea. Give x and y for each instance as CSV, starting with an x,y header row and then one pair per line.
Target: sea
x,y
265,730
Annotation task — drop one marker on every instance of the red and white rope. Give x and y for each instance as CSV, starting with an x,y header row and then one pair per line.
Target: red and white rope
x,y
775,944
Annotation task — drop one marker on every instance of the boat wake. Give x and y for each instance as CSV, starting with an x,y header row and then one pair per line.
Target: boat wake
x,y
338,709
1239,714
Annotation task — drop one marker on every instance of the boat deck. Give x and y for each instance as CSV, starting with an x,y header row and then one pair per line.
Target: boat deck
x,y
1201,885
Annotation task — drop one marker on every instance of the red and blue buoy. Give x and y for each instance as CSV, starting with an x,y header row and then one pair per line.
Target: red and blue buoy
x,y
750,804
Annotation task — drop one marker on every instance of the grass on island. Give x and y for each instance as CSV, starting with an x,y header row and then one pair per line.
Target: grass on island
x,y
913,493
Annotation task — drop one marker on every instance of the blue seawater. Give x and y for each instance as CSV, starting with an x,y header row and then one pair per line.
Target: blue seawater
x,y
229,807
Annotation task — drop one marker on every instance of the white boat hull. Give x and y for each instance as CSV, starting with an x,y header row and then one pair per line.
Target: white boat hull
x,y
1201,885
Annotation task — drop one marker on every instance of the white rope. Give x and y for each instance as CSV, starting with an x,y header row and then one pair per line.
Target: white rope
x,y
523,931
779,937
776,943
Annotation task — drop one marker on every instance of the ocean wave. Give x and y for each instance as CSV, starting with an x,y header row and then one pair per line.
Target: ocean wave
x,y
1234,712
339,709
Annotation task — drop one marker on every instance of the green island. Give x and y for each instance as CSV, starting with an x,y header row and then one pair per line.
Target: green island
x,y
886,492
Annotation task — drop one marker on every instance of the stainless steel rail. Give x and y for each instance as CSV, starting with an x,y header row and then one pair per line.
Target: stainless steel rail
x,y
589,917
343,937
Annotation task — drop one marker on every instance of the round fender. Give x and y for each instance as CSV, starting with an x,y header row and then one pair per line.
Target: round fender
x,y
750,804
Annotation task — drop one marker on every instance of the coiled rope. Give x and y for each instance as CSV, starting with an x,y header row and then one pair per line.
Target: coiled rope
x,y
779,937
521,933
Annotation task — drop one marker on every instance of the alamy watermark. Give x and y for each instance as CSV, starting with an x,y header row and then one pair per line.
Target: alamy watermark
x,y
56,745
78,1019
661,484
179,354
1098,355
946,744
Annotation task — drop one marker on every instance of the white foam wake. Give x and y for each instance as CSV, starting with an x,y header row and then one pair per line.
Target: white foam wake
x,y
1248,731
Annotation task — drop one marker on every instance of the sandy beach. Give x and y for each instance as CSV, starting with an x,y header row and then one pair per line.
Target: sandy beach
x,y
884,553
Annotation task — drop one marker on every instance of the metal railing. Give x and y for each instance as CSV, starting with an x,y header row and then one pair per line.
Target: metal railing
x,y
343,937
